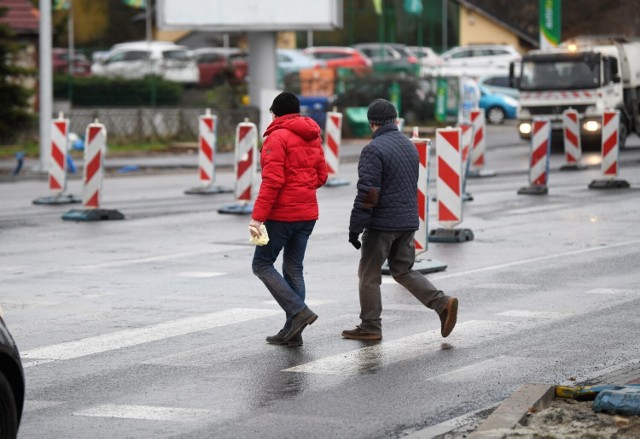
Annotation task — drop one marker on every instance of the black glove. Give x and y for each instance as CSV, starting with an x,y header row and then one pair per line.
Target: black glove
x,y
353,239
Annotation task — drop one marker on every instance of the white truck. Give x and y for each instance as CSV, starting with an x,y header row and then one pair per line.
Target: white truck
x,y
588,75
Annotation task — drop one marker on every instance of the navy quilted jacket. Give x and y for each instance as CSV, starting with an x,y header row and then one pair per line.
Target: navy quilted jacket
x,y
387,197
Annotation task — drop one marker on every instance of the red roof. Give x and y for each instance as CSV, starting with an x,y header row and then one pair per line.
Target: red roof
x,y
21,16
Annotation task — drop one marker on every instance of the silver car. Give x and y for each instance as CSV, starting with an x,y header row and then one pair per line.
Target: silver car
x,y
138,59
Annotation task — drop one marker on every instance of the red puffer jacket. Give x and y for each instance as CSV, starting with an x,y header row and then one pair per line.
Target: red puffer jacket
x,y
293,167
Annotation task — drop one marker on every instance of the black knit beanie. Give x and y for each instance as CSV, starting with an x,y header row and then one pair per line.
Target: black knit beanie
x,y
285,103
381,112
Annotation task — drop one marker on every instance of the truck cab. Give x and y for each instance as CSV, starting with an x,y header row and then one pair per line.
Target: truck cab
x,y
587,78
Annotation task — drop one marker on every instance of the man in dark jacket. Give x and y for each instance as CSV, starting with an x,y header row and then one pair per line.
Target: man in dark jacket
x,y
293,168
386,209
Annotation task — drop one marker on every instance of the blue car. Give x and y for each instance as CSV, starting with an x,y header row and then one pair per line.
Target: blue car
x,y
497,107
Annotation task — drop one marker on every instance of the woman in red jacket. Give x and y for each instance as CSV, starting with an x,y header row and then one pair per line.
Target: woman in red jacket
x,y
293,168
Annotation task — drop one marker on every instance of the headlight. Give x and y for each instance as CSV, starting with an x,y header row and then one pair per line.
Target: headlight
x,y
525,128
591,126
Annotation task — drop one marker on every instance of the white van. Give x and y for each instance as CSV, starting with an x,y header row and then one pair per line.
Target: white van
x,y
140,58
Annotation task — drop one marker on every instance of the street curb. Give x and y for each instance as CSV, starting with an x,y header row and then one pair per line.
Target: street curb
x,y
513,410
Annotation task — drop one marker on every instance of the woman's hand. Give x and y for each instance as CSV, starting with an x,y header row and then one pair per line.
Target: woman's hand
x,y
254,228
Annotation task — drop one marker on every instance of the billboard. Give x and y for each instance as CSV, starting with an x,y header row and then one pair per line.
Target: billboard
x,y
249,15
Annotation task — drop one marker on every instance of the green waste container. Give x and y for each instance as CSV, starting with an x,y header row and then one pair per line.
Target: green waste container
x,y
358,122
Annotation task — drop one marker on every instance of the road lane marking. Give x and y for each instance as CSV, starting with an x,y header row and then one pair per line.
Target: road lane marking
x,y
201,274
386,353
137,336
537,209
612,291
535,314
476,371
534,260
145,412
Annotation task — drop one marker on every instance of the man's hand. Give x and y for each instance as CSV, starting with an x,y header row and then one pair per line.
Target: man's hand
x,y
353,239
254,228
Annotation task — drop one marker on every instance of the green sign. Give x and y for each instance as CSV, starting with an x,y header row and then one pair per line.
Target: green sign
x,y
441,100
549,22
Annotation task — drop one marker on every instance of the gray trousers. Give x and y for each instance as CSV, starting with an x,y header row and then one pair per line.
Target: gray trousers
x,y
398,249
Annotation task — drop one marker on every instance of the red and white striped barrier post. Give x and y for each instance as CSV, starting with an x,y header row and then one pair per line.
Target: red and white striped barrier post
x,y
207,140
572,144
421,240
478,146
610,153
245,168
58,164
539,158
467,141
332,144
449,187
93,173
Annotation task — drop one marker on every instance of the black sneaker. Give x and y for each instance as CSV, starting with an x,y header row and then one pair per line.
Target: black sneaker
x,y
299,322
279,339
361,334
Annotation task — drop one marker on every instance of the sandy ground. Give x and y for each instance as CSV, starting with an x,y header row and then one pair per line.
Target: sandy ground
x,y
570,419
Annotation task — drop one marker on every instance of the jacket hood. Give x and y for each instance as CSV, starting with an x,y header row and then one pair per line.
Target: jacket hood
x,y
303,126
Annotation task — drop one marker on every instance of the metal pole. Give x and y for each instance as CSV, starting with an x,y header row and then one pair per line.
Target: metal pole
x,y
71,53
45,94
444,25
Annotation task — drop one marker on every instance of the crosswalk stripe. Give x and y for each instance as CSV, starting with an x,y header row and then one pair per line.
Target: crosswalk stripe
x,y
475,372
612,291
535,314
152,413
386,353
133,337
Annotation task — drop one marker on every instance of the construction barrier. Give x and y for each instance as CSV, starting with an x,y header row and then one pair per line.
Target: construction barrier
x,y
572,144
539,158
449,187
58,164
332,143
94,149
610,153
421,240
244,168
478,147
207,140
467,140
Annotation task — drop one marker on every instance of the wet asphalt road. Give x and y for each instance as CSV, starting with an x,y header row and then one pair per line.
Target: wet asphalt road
x,y
154,326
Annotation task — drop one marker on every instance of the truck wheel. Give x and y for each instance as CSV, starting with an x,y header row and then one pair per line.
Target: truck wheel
x,y
495,115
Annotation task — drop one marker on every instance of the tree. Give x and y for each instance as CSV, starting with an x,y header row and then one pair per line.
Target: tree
x,y
14,98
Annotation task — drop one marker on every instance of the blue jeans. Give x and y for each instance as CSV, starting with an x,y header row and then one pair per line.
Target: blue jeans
x,y
288,288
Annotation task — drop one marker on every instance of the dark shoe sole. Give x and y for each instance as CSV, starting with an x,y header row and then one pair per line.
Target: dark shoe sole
x,y
365,336
285,343
452,316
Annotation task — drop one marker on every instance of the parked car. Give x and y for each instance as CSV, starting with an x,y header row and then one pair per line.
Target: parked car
x,y
499,83
497,107
137,59
291,61
11,383
428,60
342,57
390,57
474,60
217,65
60,62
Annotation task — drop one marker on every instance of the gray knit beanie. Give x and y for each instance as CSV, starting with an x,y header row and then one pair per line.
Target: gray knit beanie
x,y
381,112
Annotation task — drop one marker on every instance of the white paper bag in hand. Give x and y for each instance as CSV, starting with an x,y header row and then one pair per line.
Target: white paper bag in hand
x,y
262,239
